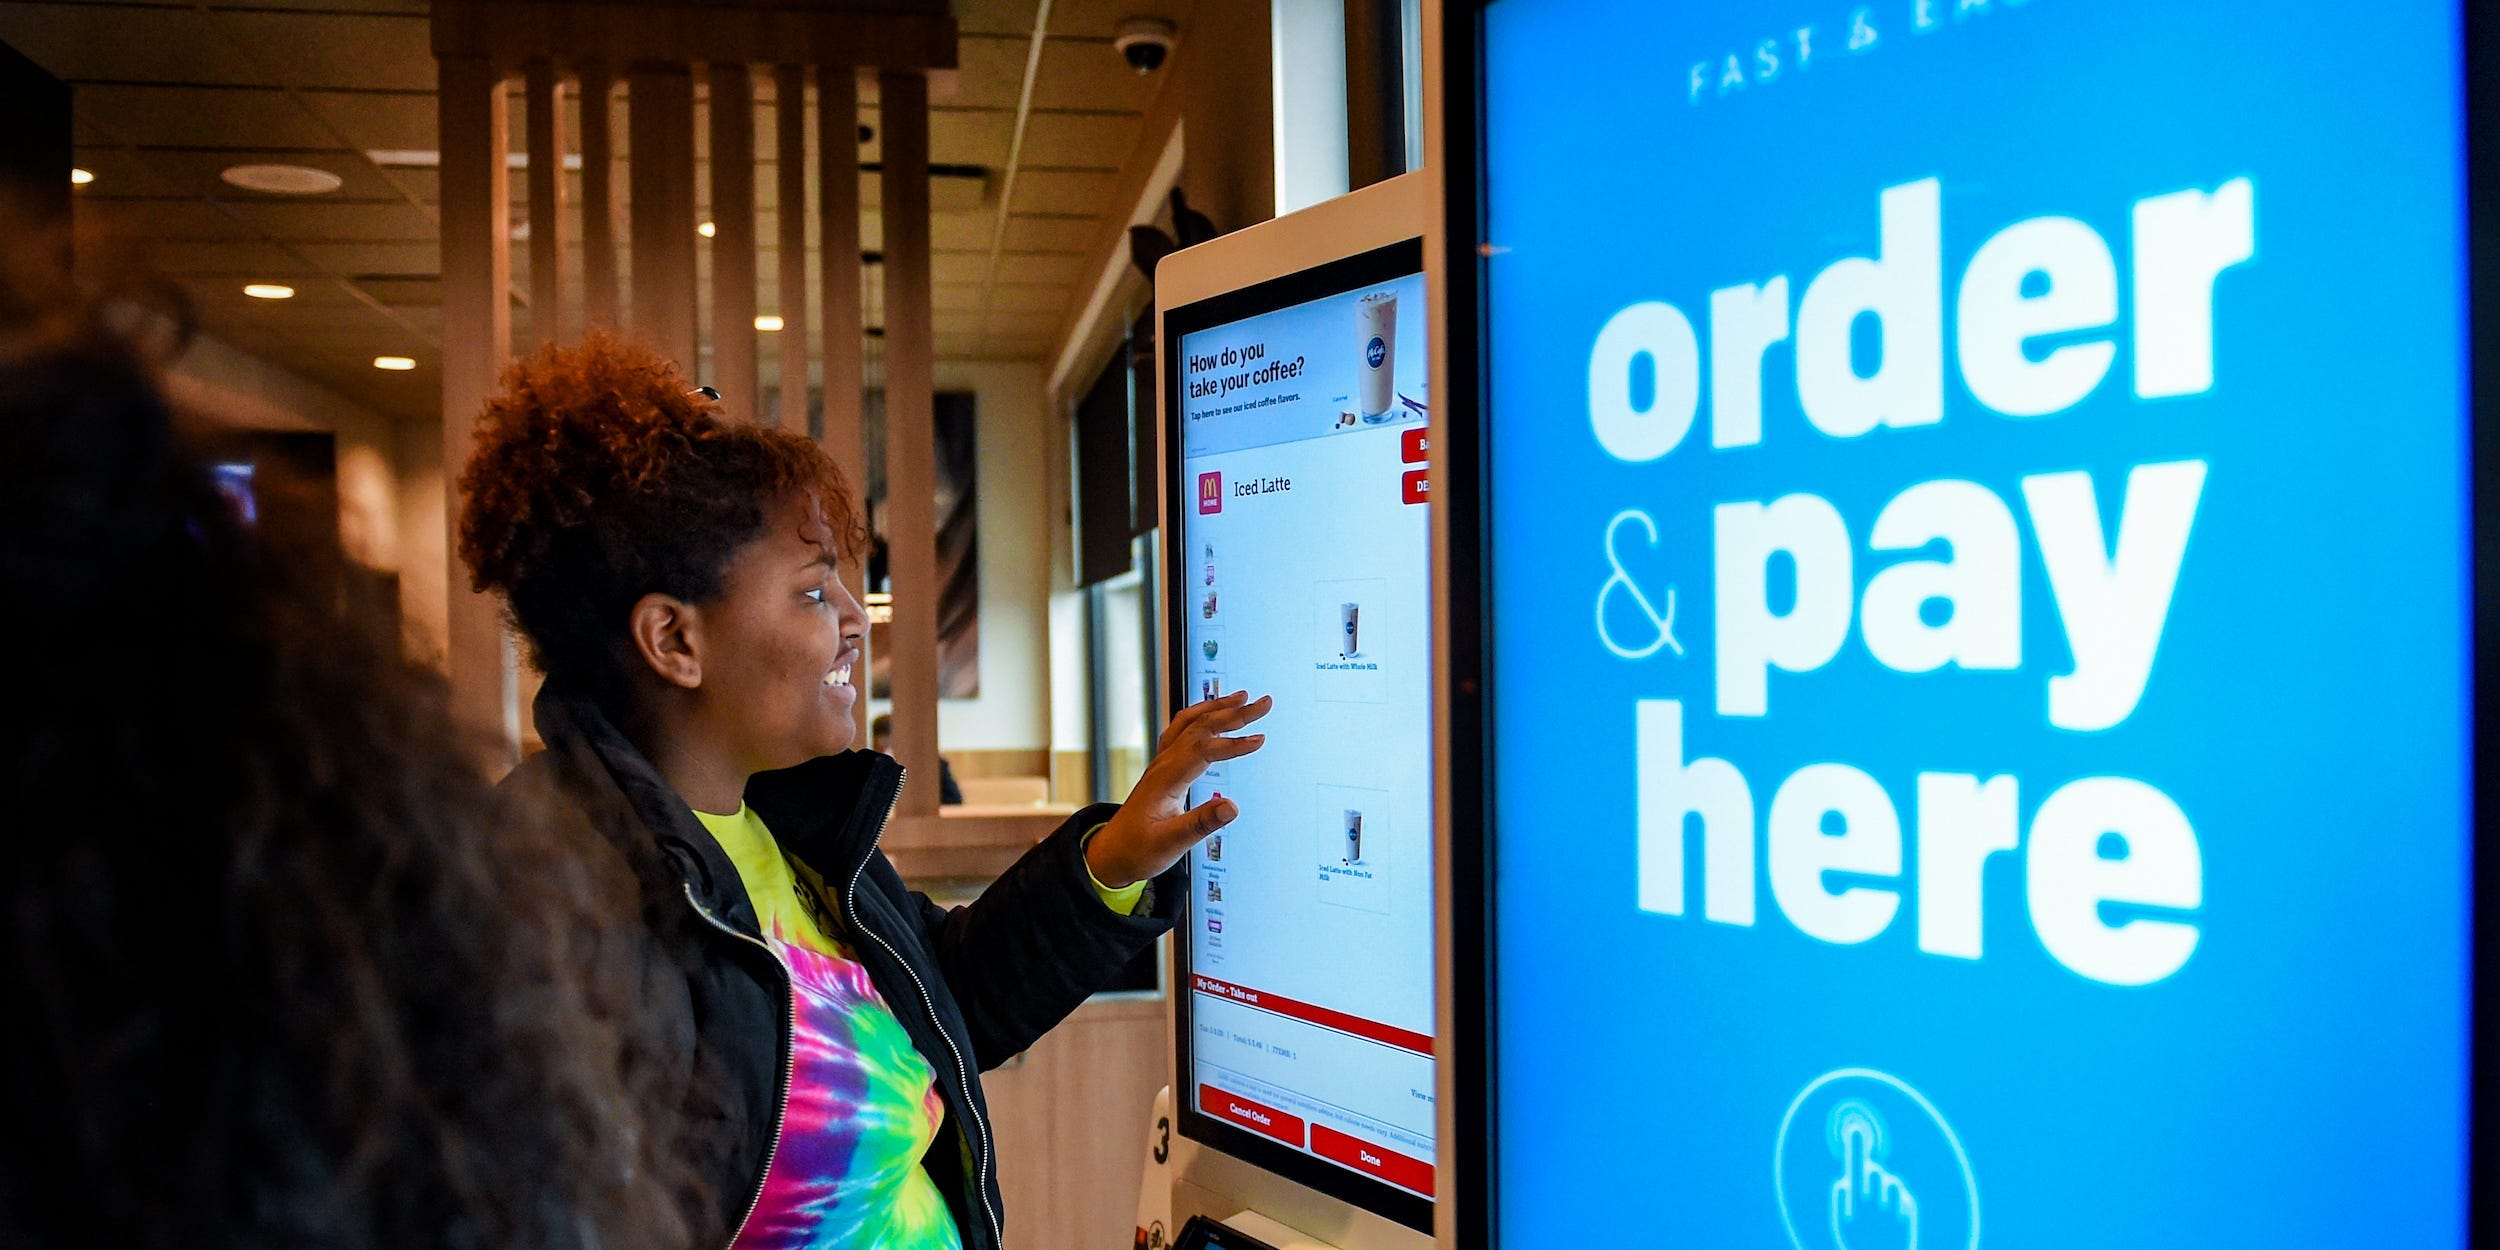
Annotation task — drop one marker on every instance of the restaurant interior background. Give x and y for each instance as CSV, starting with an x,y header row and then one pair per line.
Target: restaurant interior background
x,y
298,170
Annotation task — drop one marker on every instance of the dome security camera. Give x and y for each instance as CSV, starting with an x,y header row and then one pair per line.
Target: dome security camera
x,y
1144,42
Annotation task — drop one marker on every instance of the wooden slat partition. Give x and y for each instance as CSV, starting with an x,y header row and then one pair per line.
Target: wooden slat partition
x,y
623,34
845,340
734,372
599,195
654,46
659,112
790,171
477,335
546,178
910,433
837,210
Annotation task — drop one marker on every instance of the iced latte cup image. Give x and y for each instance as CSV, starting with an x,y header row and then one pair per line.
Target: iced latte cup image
x,y
1376,331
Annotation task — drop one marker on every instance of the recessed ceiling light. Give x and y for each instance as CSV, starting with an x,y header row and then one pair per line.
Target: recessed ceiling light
x,y
396,364
428,158
768,323
707,229
281,179
80,177
269,290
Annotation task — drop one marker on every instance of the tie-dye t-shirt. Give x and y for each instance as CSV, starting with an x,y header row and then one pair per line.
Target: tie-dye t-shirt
x,y
863,1104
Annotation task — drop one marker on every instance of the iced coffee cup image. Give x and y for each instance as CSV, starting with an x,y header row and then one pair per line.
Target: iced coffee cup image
x,y
1350,620
1376,334
1353,836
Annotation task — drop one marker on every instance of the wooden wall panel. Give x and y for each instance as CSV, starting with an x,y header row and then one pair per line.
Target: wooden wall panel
x,y
598,125
910,434
732,118
845,335
477,336
546,182
660,125
1070,1120
790,169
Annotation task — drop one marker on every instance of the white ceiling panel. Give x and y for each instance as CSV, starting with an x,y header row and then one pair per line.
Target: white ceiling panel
x,y
172,92
193,172
114,43
339,50
353,258
1066,191
1099,19
1080,139
385,120
177,219
1089,74
1011,297
249,262
991,71
995,17
1052,234
1033,270
201,117
328,219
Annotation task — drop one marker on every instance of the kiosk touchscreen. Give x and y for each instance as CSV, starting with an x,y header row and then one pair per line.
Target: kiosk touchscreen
x,y
1296,417
1979,688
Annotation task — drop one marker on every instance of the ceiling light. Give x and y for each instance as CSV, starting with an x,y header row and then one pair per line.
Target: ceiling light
x,y
269,290
396,364
707,229
429,158
768,323
282,179
80,177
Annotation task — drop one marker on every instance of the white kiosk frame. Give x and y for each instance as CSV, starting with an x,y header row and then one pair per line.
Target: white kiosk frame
x,y
1206,1181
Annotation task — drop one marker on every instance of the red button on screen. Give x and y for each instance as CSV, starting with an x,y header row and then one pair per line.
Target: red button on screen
x,y
1418,486
1258,1117
1397,1169
1415,446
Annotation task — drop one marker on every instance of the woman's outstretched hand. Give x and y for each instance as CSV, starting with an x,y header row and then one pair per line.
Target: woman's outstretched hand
x,y
1157,826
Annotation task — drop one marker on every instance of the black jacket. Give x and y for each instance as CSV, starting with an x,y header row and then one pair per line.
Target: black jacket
x,y
975,985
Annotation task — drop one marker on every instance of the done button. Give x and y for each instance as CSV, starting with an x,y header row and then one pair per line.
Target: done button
x,y
1404,1171
1258,1117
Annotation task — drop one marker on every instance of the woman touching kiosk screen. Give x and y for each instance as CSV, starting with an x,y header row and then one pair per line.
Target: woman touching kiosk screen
x,y
674,574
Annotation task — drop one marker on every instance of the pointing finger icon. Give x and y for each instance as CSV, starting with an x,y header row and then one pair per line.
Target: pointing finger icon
x,y
1871,1208
1620,581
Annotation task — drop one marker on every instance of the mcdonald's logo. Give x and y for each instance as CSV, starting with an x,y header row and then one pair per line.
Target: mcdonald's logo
x,y
1210,493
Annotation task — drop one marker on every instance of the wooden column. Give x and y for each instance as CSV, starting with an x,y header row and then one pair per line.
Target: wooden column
x,y
477,335
910,433
660,127
733,239
845,343
837,208
599,196
790,153
546,179
1375,92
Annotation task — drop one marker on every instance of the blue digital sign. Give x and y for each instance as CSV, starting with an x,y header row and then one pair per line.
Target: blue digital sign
x,y
1979,607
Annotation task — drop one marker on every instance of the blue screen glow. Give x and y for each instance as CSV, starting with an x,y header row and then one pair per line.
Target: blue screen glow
x,y
1980,604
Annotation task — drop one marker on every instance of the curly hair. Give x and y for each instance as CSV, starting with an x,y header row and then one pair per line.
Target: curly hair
x,y
281,969
599,477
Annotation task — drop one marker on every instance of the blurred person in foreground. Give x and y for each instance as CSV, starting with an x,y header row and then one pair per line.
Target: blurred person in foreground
x,y
676,575
279,969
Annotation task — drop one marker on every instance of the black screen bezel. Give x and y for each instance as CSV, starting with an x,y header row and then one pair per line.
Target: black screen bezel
x,y
1337,277
1467,1157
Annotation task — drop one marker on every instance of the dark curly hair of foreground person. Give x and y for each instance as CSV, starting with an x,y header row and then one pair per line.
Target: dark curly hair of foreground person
x,y
279,970
600,475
